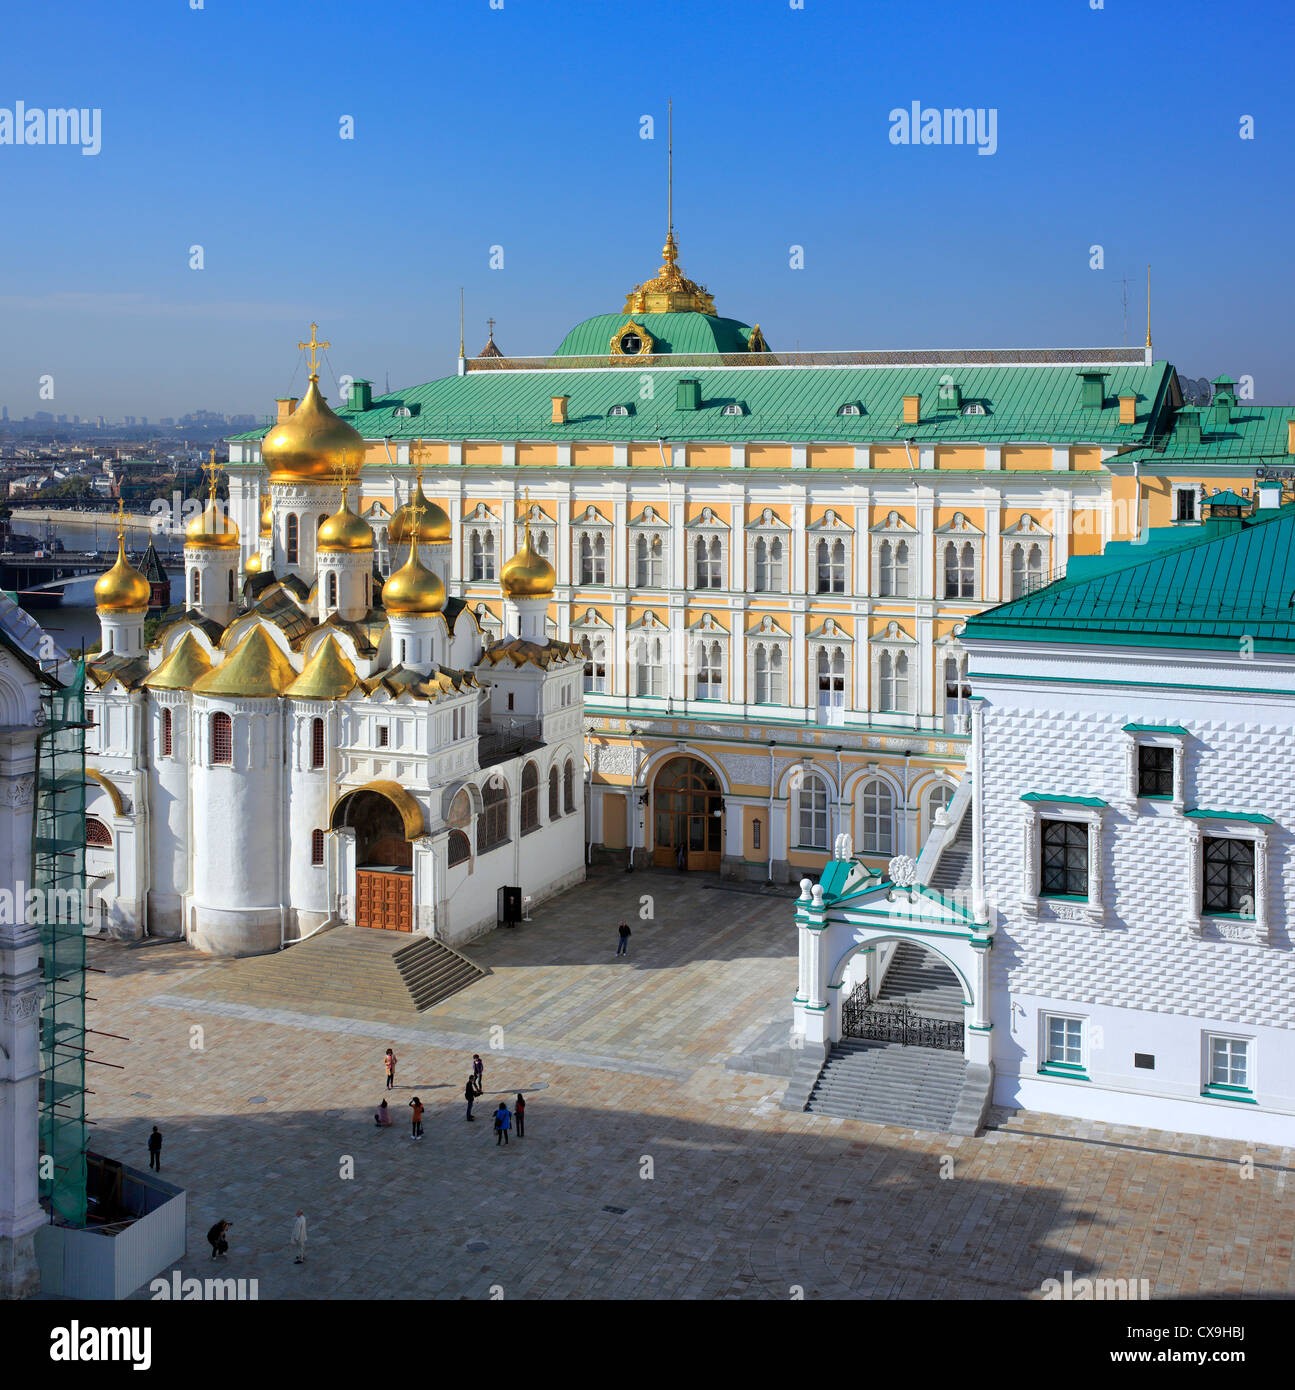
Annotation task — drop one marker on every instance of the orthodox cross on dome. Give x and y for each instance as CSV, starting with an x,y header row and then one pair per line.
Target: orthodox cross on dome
x,y
121,517
490,324
211,468
315,347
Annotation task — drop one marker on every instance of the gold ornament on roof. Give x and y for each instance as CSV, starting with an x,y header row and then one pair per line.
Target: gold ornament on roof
x,y
122,589
528,574
313,443
420,520
213,528
669,291
413,588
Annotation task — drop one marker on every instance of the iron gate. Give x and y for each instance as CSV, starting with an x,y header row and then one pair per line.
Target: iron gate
x,y
864,1017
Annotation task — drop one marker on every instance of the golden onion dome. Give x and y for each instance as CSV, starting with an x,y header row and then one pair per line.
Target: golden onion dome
x,y
122,589
253,565
413,588
420,520
312,444
528,574
344,531
213,528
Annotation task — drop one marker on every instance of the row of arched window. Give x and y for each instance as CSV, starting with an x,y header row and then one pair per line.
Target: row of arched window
x,y
492,820
875,820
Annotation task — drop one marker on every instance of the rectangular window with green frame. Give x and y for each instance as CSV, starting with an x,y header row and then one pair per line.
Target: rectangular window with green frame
x,y
1229,1073
1064,846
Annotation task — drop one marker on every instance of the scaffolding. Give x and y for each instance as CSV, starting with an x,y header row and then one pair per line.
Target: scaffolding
x,y
58,876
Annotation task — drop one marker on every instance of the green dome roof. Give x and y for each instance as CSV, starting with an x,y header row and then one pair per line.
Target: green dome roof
x,y
677,332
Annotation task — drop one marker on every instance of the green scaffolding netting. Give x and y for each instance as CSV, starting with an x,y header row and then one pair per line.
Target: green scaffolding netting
x,y
58,876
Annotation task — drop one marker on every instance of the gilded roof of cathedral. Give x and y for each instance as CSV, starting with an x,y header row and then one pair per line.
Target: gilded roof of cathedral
x,y
277,607
186,662
256,669
521,652
313,444
177,614
116,666
400,680
122,589
328,675
366,633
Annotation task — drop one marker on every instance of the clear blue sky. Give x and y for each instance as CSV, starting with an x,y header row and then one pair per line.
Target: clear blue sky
x,y
519,127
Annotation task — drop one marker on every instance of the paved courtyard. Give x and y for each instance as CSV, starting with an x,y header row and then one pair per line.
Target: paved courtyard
x,y
649,1169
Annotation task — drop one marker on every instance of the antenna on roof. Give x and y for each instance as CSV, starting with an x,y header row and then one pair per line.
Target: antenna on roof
x,y
1148,305
461,353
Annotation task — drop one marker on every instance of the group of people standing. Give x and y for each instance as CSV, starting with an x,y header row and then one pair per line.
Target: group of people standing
x,y
505,1120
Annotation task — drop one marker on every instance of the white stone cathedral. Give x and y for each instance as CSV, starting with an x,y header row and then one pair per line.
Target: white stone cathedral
x,y
304,746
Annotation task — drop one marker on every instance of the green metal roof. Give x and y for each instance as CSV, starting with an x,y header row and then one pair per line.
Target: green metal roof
x,y
1207,593
1253,817
1226,498
1254,435
1155,729
1064,800
679,332
786,404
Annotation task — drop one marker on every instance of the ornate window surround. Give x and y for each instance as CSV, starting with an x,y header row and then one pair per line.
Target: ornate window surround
x,y
894,640
1024,532
770,634
830,527
1170,736
961,532
481,521
707,526
894,529
543,533
653,525
1035,811
1220,926
768,526
706,630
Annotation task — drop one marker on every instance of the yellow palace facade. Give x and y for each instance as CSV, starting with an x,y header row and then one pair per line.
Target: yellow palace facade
x,y
767,557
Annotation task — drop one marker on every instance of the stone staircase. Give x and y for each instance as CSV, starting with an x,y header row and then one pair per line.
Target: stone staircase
x,y
889,1084
952,872
923,982
352,970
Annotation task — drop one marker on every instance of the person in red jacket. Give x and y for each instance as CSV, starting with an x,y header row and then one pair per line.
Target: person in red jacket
x,y
416,1106
389,1061
519,1115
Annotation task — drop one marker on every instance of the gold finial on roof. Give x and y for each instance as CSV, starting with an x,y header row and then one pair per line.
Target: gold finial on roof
x,y
461,352
315,346
1148,305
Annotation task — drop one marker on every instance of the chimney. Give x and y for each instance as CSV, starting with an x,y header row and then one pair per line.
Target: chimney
x,y
1187,424
1128,409
560,410
688,396
361,396
912,410
286,404
1269,492
1290,436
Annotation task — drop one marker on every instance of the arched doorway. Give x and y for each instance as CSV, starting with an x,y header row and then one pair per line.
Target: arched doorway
x,y
909,994
687,802
385,819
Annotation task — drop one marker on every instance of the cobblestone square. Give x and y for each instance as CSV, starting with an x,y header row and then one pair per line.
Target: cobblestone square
x,y
649,1169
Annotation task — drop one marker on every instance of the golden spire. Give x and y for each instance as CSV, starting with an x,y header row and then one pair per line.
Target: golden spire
x,y
1148,305
461,352
313,345
669,181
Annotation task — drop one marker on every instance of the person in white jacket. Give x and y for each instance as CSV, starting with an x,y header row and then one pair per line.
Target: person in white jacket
x,y
299,1237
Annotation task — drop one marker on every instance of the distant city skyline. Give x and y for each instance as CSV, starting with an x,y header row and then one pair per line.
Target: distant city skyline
x,y
1118,128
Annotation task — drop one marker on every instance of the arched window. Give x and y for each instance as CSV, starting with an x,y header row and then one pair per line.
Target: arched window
x,y
649,670
492,824
812,806
481,550
316,847
768,565
648,557
830,566
878,818
222,738
195,589
770,688
554,796
892,691
569,786
593,558
231,585
595,651
459,848
893,574
291,544
530,808
1027,568
166,733
709,671
937,799
709,556
331,600
957,693
96,832
830,668
959,570
316,743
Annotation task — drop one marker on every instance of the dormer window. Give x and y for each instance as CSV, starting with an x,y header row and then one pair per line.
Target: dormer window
x,y
850,408
734,408
974,408
402,412
620,410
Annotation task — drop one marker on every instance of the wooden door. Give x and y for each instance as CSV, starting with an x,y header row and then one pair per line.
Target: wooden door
x,y
384,899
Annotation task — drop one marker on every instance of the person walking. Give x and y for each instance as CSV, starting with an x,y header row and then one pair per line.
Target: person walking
x,y
155,1149
470,1094
382,1115
519,1114
416,1106
218,1239
299,1237
478,1072
623,945
503,1121
389,1061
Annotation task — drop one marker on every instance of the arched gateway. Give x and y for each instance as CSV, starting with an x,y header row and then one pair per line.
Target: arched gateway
x,y
385,820
687,803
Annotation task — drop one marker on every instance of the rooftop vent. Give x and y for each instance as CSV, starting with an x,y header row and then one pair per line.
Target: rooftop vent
x,y
950,397
689,395
286,404
560,410
912,409
1093,390
361,394
1187,425
1128,408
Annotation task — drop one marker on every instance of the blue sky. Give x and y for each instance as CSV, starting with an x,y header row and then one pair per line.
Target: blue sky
x,y
520,127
